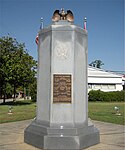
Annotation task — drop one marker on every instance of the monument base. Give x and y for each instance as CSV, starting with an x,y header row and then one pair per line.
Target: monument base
x,y
62,138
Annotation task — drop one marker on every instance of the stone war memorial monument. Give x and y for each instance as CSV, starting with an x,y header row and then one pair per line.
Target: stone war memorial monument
x,y
62,105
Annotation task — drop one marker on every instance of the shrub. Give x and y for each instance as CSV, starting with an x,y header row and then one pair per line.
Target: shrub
x,y
106,96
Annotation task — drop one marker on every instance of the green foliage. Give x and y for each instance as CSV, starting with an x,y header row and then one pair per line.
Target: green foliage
x,y
17,67
105,112
9,90
106,96
26,109
96,63
33,90
21,110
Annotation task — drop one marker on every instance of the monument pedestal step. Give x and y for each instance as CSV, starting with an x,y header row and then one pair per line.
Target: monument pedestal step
x,y
61,139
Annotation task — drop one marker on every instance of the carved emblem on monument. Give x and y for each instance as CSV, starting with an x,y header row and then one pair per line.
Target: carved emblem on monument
x,y
61,50
61,88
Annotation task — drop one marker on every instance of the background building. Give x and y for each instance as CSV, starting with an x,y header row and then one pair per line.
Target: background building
x,y
99,79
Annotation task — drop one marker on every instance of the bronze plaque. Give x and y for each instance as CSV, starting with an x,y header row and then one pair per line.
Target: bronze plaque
x,y
61,88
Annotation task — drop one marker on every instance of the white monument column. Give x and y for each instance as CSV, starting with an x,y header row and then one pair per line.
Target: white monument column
x,y
62,103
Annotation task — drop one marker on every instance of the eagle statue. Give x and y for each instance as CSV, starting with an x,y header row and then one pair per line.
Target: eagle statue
x,y
57,15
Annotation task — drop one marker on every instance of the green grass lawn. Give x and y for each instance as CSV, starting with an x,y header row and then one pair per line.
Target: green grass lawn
x,y
23,110
104,111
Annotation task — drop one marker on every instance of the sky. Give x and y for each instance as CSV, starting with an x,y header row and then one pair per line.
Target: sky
x,y
105,24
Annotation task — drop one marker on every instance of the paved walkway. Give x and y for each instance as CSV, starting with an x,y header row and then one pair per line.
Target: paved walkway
x,y
12,134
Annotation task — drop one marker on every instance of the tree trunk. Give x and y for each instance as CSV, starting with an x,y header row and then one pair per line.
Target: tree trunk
x,y
4,98
4,93
24,89
14,99
28,93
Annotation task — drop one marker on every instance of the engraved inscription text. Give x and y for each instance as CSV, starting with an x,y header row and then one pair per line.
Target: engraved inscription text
x,y
62,88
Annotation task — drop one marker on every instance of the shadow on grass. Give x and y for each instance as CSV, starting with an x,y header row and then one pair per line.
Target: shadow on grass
x,y
18,103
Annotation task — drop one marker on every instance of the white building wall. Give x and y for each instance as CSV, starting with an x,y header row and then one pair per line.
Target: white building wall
x,y
101,80
104,80
119,87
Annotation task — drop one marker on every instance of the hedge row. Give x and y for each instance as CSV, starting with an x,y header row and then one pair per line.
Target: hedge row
x,y
106,96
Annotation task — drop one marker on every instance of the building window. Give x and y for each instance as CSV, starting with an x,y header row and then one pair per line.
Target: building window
x,y
89,86
102,86
97,86
112,86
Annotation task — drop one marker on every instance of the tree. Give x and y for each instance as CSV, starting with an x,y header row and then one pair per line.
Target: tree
x,y
6,46
96,63
17,67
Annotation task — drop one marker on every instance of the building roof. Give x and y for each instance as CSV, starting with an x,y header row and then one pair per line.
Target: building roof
x,y
96,72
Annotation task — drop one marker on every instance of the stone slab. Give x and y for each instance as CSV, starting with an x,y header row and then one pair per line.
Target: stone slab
x,y
75,138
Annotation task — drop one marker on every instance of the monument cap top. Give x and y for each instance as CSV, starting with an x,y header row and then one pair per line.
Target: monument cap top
x,y
62,22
